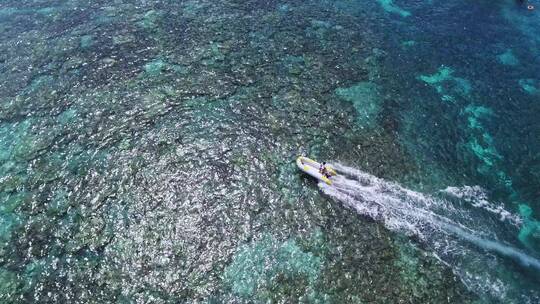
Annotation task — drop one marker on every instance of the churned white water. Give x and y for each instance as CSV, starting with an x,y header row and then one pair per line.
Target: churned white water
x,y
448,228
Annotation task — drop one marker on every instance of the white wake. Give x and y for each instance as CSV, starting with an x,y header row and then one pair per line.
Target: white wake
x,y
447,226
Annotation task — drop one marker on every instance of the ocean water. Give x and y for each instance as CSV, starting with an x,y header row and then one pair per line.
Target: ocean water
x,y
147,151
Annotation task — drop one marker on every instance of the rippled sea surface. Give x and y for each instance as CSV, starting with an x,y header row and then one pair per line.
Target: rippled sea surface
x,y
147,151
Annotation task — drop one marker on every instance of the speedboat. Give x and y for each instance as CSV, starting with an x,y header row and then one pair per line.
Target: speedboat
x,y
312,167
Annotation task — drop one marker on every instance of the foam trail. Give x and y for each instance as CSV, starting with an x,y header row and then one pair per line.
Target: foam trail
x,y
505,250
440,224
477,197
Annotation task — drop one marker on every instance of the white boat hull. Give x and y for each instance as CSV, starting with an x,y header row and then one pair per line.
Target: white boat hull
x,y
311,167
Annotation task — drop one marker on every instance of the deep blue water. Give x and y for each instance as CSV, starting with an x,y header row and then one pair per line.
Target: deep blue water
x,y
148,147
465,110
481,127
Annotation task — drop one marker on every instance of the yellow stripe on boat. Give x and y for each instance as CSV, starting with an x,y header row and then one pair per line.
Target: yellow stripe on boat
x,y
331,170
326,180
312,168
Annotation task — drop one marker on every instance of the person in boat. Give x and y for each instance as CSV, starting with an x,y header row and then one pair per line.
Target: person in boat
x,y
324,171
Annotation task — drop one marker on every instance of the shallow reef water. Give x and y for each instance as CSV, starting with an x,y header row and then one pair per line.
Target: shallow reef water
x,y
147,148
365,99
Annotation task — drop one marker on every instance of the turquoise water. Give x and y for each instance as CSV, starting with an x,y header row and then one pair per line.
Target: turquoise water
x,y
148,147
